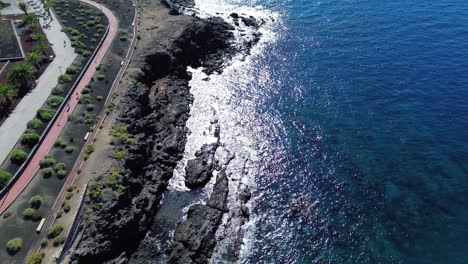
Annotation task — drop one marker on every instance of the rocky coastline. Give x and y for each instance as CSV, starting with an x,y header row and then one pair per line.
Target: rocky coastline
x,y
154,112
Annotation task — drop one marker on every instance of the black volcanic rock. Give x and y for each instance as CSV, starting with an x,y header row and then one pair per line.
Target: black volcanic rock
x,y
194,240
200,170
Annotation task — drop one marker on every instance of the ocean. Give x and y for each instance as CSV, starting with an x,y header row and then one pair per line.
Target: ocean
x,y
349,121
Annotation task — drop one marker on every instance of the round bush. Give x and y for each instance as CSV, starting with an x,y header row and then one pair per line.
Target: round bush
x,y
72,70
66,208
45,114
57,90
60,142
61,174
14,245
18,156
69,149
31,214
35,258
99,98
54,231
5,178
47,172
34,124
60,166
58,240
47,162
89,107
64,78
86,90
30,139
35,201
100,77
123,38
55,100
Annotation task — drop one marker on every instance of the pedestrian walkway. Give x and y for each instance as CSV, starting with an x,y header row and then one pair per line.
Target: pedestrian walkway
x,y
14,126
33,166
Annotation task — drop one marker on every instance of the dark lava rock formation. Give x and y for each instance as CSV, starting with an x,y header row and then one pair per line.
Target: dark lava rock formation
x,y
194,239
200,170
156,110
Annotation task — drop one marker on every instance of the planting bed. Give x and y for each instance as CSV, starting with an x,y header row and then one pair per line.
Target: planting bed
x,y
9,46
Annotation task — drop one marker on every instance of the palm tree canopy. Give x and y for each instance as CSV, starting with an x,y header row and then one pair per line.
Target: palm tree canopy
x,y
38,36
20,74
34,57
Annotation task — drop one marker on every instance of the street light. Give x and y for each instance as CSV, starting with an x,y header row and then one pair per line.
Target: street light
x,y
60,69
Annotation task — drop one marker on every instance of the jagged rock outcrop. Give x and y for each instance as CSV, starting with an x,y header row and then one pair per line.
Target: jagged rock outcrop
x,y
200,170
156,110
194,239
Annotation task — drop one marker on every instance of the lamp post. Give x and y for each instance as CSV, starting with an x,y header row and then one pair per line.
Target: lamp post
x,y
60,69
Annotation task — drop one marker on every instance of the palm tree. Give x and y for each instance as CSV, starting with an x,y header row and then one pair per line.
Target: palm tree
x,y
35,58
47,5
20,75
28,18
33,27
7,91
41,47
39,37
23,7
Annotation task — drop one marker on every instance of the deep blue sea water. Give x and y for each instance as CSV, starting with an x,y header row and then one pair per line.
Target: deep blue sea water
x,y
368,159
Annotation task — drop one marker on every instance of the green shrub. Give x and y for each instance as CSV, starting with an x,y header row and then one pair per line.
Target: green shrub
x,y
72,69
88,119
55,100
123,38
60,142
86,53
69,149
5,178
94,40
66,207
64,78
100,76
30,139
59,214
31,214
61,174
7,214
60,166
58,241
47,162
89,149
99,66
44,243
71,117
35,258
47,172
18,156
34,123
45,114
86,90
86,98
69,195
90,107
35,201
14,245
54,231
99,98
57,90
118,154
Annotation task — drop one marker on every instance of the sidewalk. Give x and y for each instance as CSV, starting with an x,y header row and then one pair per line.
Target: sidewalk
x,y
14,126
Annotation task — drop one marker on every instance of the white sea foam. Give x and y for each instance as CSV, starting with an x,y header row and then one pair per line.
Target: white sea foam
x,y
229,100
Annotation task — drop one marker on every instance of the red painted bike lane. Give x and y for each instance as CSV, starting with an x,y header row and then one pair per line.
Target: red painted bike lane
x,y
33,166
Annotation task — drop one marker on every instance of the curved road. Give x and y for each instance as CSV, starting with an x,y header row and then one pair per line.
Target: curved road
x,y
48,142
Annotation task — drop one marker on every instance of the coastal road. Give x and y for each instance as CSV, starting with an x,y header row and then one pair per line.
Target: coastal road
x,y
33,166
12,129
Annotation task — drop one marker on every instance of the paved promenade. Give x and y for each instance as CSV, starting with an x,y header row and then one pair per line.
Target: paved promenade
x,y
47,144
14,126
